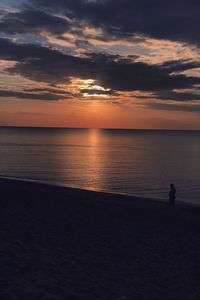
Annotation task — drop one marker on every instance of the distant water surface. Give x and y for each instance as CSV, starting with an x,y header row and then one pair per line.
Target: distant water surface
x,y
136,162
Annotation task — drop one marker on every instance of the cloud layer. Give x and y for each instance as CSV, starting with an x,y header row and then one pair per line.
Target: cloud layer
x,y
177,20
67,46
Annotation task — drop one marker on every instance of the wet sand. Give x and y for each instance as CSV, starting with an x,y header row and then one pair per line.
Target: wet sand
x,y
61,243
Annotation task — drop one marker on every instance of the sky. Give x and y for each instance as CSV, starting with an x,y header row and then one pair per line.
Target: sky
x,y
100,63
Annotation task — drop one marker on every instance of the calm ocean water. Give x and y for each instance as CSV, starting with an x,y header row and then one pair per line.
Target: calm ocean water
x,y
137,162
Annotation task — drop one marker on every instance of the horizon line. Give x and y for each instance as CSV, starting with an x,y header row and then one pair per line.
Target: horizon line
x,y
100,128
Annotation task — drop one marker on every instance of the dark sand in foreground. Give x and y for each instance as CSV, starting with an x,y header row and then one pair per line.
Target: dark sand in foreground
x,y
58,243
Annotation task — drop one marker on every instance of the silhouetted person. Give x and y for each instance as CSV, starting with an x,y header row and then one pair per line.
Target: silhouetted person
x,y
172,195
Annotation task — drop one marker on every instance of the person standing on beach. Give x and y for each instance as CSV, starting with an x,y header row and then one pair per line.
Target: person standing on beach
x,y
172,195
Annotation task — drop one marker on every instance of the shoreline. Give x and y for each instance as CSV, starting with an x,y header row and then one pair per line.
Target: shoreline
x,y
50,183
63,243
104,192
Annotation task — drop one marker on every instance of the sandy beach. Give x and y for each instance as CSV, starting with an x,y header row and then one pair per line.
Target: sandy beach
x,y
61,243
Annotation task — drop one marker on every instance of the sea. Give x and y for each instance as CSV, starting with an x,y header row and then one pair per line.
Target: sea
x,y
136,162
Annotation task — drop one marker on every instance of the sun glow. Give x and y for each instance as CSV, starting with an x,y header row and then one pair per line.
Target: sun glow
x,y
90,88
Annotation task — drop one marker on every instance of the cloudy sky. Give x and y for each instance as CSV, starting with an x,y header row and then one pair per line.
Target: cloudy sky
x,y
100,63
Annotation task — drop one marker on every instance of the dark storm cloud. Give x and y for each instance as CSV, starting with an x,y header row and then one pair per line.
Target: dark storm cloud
x,y
44,64
32,21
82,44
174,20
180,66
49,90
32,96
12,51
178,96
2,12
174,107
173,95
97,92
41,63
